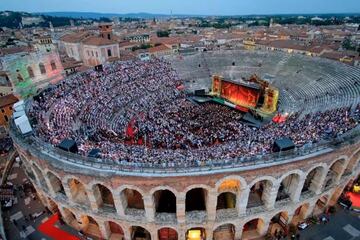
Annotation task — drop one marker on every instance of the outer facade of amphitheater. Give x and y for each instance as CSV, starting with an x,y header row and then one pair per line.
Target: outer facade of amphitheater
x,y
229,203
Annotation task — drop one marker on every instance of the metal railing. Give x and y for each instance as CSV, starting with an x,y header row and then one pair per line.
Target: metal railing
x,y
48,152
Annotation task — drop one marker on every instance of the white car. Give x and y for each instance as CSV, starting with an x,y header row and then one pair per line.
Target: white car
x,y
302,225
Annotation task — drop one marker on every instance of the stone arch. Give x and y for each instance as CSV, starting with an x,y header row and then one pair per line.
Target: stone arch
x,y
279,222
103,196
132,200
165,201
226,200
78,191
321,204
168,233
40,177
300,213
334,172
254,228
197,233
353,162
314,179
225,231
231,184
115,230
260,191
52,206
90,226
69,217
138,232
55,183
288,185
196,199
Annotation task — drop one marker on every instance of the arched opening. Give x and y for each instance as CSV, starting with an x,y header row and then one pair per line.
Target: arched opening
x,y
104,197
254,229
42,68
53,65
30,72
313,180
353,163
40,177
78,192
226,231
116,231
288,187
167,234
229,185
165,201
320,205
56,184
109,53
300,214
196,200
52,206
259,194
196,234
334,173
20,78
90,227
226,200
139,233
70,218
279,223
133,202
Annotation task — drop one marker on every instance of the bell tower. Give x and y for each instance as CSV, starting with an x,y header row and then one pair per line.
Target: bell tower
x,y
105,30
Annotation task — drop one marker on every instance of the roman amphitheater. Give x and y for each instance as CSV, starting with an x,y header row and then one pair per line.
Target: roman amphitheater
x,y
239,197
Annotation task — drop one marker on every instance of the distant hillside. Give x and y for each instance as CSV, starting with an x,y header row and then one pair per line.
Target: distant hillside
x,y
94,15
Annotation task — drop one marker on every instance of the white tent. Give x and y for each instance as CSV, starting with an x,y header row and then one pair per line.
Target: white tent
x,y
19,106
23,124
18,114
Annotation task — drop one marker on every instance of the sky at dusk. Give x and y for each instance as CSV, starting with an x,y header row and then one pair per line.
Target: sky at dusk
x,y
206,7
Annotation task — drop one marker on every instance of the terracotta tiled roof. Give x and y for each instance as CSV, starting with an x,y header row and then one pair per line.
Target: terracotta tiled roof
x,y
160,48
75,37
9,99
98,41
13,50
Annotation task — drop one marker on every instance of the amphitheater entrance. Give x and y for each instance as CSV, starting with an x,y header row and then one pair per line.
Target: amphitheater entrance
x,y
167,234
133,200
139,233
196,200
78,192
116,231
226,231
196,234
288,187
320,205
56,184
300,214
279,223
165,201
104,198
226,200
90,227
334,174
313,182
258,195
253,229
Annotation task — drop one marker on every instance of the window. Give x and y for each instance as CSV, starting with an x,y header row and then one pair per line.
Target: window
x,y
53,65
20,78
92,53
109,36
72,52
96,54
109,52
30,72
88,53
2,110
6,118
42,68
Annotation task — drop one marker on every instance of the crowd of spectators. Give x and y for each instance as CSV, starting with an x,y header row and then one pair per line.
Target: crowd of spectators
x,y
135,112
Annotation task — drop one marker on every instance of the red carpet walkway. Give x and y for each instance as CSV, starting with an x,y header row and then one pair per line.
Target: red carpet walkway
x,y
355,199
52,231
